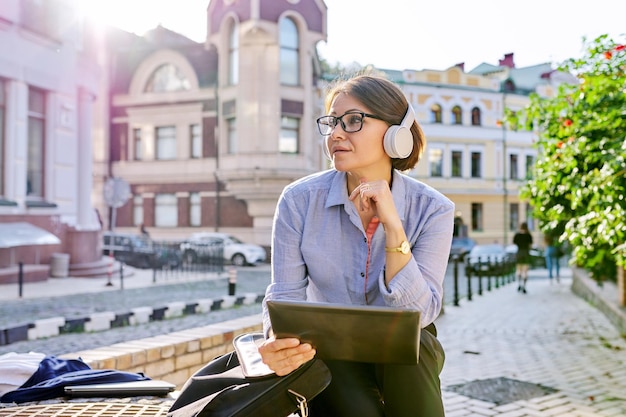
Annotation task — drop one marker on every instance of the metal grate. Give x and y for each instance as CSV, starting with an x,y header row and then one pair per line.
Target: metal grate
x,y
500,390
87,410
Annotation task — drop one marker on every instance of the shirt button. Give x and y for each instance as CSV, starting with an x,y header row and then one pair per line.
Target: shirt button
x,y
362,274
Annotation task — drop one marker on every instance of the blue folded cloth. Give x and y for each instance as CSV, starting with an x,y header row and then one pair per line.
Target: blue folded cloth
x,y
54,374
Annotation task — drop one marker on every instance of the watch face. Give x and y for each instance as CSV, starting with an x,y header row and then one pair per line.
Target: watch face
x,y
405,247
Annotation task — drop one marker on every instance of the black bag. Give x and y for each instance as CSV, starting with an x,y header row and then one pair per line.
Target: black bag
x,y
220,389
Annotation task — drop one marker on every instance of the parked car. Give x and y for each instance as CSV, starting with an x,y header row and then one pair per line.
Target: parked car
x,y
461,247
234,250
537,257
488,259
139,251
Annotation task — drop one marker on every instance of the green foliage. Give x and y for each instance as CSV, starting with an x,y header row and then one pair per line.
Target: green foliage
x,y
578,186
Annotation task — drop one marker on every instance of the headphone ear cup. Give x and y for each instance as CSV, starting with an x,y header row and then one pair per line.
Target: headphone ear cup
x,y
398,141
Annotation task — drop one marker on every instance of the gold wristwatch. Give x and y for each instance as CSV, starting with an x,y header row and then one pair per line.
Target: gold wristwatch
x,y
404,248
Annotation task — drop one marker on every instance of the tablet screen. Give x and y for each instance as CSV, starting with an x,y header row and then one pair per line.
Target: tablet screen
x,y
349,332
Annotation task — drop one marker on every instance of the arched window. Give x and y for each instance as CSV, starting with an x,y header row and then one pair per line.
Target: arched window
x,y
476,116
435,113
167,78
289,52
457,115
233,55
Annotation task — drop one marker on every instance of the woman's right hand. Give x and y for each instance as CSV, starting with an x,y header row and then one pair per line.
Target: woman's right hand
x,y
285,355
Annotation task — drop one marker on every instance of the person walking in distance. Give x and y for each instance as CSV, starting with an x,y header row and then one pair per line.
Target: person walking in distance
x,y
523,240
364,233
552,255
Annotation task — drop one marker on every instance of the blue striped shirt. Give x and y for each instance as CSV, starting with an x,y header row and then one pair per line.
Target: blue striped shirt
x,y
320,248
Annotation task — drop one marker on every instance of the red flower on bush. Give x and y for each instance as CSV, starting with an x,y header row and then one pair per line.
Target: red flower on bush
x,y
608,54
567,122
620,47
559,144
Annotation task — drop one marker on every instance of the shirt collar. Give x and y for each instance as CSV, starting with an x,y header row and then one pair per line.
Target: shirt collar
x,y
338,194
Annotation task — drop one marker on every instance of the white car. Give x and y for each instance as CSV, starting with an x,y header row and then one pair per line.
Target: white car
x,y
490,258
201,245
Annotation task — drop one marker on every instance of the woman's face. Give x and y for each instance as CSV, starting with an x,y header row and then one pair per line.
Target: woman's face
x,y
360,150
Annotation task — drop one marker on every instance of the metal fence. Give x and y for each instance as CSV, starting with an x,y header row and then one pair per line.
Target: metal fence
x,y
486,274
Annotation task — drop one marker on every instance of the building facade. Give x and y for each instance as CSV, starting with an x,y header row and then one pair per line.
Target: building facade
x,y
48,82
207,135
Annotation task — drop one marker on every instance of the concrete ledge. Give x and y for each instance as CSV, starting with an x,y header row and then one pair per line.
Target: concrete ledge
x,y
99,321
46,328
102,321
604,297
173,357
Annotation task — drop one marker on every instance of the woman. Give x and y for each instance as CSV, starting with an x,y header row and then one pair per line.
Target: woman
x,y
523,240
363,233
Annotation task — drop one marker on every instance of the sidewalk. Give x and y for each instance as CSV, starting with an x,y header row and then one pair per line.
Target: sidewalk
x,y
53,287
544,353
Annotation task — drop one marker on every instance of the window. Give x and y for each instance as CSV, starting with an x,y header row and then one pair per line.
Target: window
x,y
435,113
435,159
137,210
195,210
233,55
166,142
457,164
165,210
476,165
477,216
289,53
232,135
513,170
529,217
530,163
137,144
289,131
36,129
508,86
513,216
457,115
167,78
2,136
195,141
476,117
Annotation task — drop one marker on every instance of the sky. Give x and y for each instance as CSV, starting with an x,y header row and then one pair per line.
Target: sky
x,y
413,34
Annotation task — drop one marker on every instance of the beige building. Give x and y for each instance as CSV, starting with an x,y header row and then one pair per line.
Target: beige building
x,y
471,155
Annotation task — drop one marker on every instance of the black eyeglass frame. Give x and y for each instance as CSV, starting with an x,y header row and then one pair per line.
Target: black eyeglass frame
x,y
343,125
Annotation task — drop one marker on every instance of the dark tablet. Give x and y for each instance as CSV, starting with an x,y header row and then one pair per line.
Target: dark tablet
x,y
348,332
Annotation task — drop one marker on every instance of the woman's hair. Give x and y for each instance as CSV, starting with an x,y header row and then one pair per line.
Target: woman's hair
x,y
524,227
384,99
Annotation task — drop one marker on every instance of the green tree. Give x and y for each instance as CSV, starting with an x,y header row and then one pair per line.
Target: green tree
x,y
578,188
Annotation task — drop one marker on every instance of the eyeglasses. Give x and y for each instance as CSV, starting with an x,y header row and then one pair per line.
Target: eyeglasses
x,y
352,124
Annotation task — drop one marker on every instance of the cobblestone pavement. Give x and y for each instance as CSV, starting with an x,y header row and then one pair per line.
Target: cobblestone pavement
x,y
544,353
548,339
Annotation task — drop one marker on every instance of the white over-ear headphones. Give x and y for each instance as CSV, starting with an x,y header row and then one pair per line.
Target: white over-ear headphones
x,y
398,141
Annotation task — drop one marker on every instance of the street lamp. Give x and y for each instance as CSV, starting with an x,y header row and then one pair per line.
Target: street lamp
x,y
505,196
